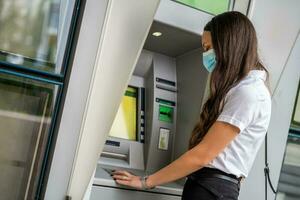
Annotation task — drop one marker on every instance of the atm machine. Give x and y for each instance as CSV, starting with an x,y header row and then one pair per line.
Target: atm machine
x,y
156,116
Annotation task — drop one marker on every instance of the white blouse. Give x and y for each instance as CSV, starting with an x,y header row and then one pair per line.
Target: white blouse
x,y
248,107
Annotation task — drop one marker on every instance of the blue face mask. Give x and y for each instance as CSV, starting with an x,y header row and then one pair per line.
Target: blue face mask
x,y
209,60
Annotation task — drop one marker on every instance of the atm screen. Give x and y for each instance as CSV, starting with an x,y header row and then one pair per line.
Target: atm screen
x,y
125,123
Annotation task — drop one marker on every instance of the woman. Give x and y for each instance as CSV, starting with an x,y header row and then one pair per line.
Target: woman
x,y
234,119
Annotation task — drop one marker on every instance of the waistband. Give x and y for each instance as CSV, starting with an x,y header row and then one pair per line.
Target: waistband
x,y
214,173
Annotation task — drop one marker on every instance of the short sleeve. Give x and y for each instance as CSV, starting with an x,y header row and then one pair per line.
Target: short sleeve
x,y
239,107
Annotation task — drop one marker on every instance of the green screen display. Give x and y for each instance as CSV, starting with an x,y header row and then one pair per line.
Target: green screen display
x,y
166,113
214,7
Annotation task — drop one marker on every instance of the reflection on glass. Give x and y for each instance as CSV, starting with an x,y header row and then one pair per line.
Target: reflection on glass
x,y
214,7
26,110
29,33
289,181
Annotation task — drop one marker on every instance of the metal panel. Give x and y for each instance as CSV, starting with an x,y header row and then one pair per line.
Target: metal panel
x,y
173,42
99,193
192,80
164,67
181,16
103,179
125,31
76,98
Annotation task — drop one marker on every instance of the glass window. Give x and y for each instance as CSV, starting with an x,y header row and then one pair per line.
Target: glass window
x,y
214,7
26,112
289,181
31,33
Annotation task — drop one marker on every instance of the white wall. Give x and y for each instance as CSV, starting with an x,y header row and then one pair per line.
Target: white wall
x,y
277,24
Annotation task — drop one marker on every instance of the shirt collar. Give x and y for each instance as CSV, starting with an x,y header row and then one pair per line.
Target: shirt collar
x,y
260,74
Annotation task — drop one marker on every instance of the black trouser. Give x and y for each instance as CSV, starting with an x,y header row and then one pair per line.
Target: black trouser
x,y
203,187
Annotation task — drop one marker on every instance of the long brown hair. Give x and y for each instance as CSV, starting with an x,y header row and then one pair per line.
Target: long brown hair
x,y
235,44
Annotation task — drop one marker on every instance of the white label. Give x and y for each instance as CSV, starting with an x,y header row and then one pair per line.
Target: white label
x,y
163,142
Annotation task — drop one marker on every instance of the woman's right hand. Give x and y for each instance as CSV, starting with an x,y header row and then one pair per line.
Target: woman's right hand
x,y
127,179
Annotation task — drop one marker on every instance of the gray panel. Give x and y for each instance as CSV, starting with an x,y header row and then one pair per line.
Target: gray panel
x,y
128,155
82,69
149,111
173,41
100,193
144,64
126,29
163,67
242,6
191,83
103,178
181,16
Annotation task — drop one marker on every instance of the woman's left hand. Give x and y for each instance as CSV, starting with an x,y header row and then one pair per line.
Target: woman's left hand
x,y
127,179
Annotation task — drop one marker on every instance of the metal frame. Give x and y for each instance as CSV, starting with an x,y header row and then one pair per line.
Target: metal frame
x,y
37,78
66,66
59,79
296,123
67,134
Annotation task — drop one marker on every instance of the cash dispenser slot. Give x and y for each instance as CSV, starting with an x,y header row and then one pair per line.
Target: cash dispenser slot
x,y
164,81
115,153
165,102
165,87
164,84
106,154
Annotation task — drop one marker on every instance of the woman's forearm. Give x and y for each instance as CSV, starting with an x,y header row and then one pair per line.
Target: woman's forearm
x,y
183,166
214,142
217,138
